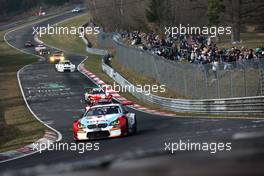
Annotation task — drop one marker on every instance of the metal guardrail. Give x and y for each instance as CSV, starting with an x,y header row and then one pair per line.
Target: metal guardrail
x,y
245,105
92,50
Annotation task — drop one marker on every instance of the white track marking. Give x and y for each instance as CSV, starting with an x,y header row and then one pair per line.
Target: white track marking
x,y
249,135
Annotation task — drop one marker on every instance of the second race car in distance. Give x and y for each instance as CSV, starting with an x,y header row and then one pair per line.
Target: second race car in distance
x,y
29,44
76,10
94,96
43,52
65,66
56,57
104,121
40,47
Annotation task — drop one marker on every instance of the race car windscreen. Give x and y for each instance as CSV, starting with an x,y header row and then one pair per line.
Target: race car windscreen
x,y
107,110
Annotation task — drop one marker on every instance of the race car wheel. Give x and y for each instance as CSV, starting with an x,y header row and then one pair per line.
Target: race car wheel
x,y
133,129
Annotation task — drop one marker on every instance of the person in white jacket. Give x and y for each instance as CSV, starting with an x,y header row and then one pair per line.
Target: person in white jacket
x,y
215,67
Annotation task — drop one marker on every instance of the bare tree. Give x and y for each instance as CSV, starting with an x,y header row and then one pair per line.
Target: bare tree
x,y
130,14
242,12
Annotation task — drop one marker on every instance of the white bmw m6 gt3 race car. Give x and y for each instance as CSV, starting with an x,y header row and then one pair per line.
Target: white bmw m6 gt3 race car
x,y
64,66
104,121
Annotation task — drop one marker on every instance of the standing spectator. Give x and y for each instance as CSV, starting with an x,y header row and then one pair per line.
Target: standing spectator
x,y
215,68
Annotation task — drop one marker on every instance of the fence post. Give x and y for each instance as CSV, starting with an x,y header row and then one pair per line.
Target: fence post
x,y
185,85
195,71
245,81
218,84
206,81
261,76
231,84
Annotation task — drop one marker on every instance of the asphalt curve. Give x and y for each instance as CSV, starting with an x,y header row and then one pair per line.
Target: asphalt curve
x,y
56,98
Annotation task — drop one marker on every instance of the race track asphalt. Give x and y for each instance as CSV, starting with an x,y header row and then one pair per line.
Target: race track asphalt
x,y
57,99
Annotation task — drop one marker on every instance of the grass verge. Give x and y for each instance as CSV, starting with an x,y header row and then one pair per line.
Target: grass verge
x,y
18,126
248,40
69,43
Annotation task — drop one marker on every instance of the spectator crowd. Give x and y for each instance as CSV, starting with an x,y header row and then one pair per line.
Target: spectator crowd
x,y
195,49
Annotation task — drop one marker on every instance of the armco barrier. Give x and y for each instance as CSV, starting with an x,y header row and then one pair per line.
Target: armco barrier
x,y
92,50
245,105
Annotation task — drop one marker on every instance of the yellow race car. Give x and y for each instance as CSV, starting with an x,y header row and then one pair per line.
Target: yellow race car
x,y
56,57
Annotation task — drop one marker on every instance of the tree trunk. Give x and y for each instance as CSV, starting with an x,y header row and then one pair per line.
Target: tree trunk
x,y
236,32
236,21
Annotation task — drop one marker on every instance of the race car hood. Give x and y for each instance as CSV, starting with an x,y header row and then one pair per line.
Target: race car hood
x,y
99,119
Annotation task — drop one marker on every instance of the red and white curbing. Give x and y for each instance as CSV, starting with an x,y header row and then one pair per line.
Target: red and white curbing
x,y
117,96
48,138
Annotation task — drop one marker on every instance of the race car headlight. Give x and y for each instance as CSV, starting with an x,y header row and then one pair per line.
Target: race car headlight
x,y
115,123
80,126
92,98
52,59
